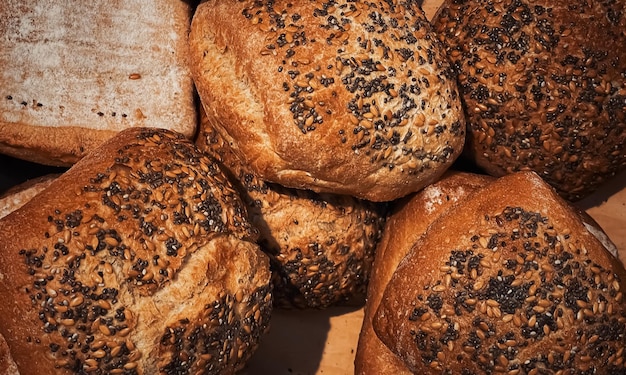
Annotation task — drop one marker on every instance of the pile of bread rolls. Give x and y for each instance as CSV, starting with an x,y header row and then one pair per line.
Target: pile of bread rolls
x,y
224,159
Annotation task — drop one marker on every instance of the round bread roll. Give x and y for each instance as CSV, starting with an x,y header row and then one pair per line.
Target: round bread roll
x,y
405,225
509,281
544,87
321,246
138,260
345,97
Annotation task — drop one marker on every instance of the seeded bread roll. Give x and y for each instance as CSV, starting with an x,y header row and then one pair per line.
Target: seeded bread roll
x,y
348,97
508,281
138,260
17,196
75,73
544,87
321,246
404,226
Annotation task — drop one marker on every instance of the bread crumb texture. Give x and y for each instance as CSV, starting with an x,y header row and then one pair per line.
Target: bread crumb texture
x,y
144,264
544,86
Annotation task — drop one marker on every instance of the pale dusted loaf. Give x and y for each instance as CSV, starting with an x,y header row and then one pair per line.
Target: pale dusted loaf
x,y
321,246
137,260
348,97
544,86
509,280
18,195
409,220
75,73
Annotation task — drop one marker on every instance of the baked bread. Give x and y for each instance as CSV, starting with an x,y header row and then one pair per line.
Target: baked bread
x,y
543,86
348,97
405,225
7,365
138,260
16,196
75,73
321,246
509,281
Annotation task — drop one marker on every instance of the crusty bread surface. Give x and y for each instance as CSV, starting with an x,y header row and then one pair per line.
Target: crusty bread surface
x,y
137,260
18,195
510,280
7,365
75,73
403,228
543,86
321,245
349,97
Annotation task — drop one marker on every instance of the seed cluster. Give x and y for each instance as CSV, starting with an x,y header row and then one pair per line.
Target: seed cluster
x,y
544,85
384,60
124,236
522,281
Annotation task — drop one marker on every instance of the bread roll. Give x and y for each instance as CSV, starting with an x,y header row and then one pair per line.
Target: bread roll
x,y
17,196
544,87
348,97
403,228
138,260
321,246
75,73
508,281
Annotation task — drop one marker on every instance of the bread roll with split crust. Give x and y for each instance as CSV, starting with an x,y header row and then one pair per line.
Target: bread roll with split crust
x,y
75,73
510,280
405,225
348,97
138,260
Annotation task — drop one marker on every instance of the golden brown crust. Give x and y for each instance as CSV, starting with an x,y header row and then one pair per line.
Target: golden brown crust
x,y
321,246
510,280
138,260
7,365
74,74
344,97
543,85
404,226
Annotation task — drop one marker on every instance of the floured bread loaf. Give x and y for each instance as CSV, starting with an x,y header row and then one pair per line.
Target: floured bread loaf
x,y
321,246
346,97
544,86
403,228
17,196
509,281
74,73
138,260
